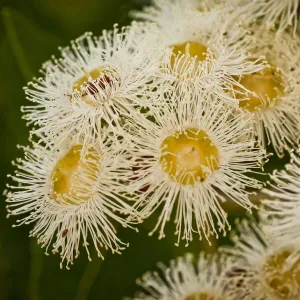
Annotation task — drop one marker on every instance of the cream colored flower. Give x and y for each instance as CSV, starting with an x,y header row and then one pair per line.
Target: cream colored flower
x,y
276,14
94,83
273,97
282,203
185,280
206,49
189,159
72,195
270,266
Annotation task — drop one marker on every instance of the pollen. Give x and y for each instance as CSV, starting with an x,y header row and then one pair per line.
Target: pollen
x,y
266,88
183,55
189,157
201,296
283,281
74,176
91,83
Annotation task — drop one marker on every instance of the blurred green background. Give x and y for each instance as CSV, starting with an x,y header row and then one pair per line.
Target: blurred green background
x,y
30,32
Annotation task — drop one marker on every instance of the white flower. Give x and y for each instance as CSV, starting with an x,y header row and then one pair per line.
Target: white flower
x,y
96,81
283,207
273,97
207,48
271,267
73,196
190,158
182,280
162,11
273,13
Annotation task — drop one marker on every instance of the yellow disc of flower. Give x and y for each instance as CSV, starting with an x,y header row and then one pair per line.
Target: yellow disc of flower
x,y
74,176
266,87
280,280
183,55
189,156
85,79
90,83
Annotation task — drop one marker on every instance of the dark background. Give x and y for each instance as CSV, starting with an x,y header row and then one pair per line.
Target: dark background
x,y
30,32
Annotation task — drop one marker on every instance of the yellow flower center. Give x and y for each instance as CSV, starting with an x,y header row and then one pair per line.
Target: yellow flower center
x,y
201,296
281,281
74,176
183,55
91,83
189,157
266,87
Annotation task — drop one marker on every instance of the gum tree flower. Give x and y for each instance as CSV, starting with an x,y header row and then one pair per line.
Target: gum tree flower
x,y
189,159
270,266
273,98
182,280
273,13
205,48
94,83
282,206
170,9
72,195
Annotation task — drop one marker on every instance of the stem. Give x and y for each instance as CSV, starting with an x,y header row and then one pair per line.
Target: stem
x,y
15,44
88,279
36,266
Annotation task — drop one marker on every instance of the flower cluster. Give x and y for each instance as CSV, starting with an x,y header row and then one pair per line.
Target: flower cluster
x,y
175,114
